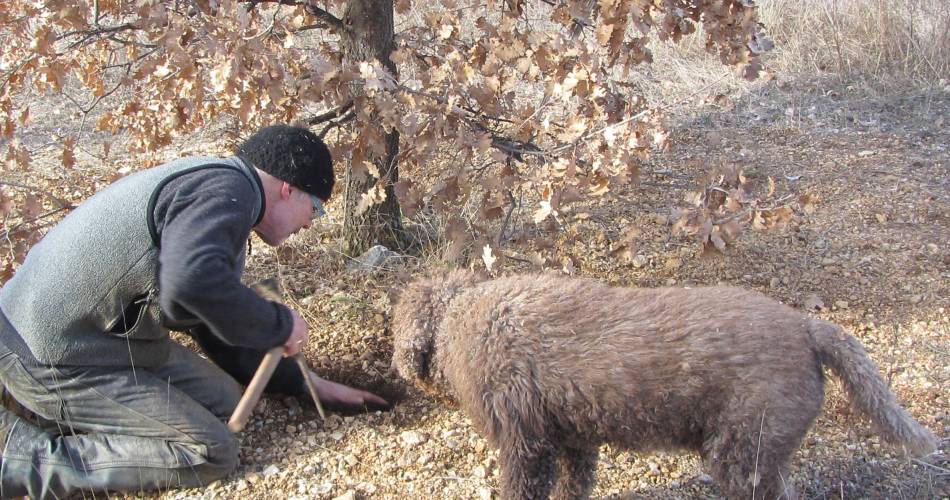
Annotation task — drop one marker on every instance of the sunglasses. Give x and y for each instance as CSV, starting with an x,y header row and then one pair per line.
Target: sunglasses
x,y
318,210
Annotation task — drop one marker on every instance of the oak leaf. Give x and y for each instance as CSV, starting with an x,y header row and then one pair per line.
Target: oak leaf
x,y
69,155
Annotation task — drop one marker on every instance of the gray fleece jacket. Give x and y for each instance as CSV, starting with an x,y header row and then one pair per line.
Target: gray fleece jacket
x,y
160,248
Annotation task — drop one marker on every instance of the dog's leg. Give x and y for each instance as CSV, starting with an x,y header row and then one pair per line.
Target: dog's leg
x,y
575,477
749,447
528,468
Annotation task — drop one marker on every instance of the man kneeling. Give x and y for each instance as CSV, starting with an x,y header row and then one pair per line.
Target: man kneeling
x,y
84,323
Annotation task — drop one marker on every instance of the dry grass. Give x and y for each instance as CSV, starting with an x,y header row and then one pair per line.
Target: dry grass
x,y
889,46
904,42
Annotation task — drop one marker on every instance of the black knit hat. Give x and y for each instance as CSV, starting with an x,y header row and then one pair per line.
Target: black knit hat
x,y
294,155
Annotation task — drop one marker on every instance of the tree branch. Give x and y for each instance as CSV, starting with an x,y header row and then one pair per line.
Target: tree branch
x,y
99,32
19,66
15,227
63,205
334,23
329,115
512,147
332,125
317,26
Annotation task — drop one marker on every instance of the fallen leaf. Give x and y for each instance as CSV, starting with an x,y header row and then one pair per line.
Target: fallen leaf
x,y
488,258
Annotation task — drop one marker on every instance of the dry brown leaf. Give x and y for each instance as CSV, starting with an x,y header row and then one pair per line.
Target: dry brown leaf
x,y
402,6
7,273
69,155
32,207
808,203
6,205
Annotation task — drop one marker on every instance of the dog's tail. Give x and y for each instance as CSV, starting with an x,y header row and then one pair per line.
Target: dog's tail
x,y
847,358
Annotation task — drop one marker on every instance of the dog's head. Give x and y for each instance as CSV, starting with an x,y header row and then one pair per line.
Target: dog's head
x,y
417,313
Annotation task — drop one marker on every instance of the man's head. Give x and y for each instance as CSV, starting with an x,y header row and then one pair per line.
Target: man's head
x,y
297,172
294,155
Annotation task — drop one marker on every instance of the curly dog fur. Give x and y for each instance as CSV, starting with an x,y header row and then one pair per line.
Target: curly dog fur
x,y
550,367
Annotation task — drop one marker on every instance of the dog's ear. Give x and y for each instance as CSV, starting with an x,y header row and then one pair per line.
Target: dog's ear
x,y
393,294
412,325
412,353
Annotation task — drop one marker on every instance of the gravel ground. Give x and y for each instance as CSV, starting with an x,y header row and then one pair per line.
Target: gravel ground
x,y
872,257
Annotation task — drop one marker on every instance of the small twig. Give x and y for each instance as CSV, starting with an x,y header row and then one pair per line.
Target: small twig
x,y
318,26
666,185
517,259
930,466
13,229
504,225
743,213
9,75
89,36
268,31
455,478
63,205
938,351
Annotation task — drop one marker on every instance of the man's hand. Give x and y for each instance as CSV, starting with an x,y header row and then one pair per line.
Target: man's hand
x,y
340,396
299,335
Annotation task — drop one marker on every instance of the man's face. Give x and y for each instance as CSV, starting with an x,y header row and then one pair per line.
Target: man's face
x,y
291,211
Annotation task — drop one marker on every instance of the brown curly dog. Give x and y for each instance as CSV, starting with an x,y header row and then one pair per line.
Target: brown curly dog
x,y
549,367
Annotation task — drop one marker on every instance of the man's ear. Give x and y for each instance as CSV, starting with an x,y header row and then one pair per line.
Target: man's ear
x,y
285,190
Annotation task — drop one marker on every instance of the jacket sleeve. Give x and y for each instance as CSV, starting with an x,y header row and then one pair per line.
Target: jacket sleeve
x,y
204,219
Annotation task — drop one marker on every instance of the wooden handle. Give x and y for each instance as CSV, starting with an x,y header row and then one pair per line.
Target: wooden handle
x,y
305,370
253,392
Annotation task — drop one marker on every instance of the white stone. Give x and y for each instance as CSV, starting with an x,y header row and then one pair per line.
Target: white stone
x,y
374,259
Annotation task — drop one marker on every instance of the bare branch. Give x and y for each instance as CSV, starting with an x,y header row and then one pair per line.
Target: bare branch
x,y
332,125
63,205
317,26
89,36
512,204
128,65
512,147
15,227
329,115
19,66
334,23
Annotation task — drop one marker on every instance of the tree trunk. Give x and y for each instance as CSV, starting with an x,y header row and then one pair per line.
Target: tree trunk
x,y
368,35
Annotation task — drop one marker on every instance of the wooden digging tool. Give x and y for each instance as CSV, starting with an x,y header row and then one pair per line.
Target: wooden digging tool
x,y
261,377
305,370
254,389
270,290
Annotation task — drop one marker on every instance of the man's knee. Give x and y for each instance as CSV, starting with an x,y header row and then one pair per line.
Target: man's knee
x,y
212,456
222,450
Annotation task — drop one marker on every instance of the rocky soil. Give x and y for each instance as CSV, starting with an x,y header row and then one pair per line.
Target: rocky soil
x,y
873,257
